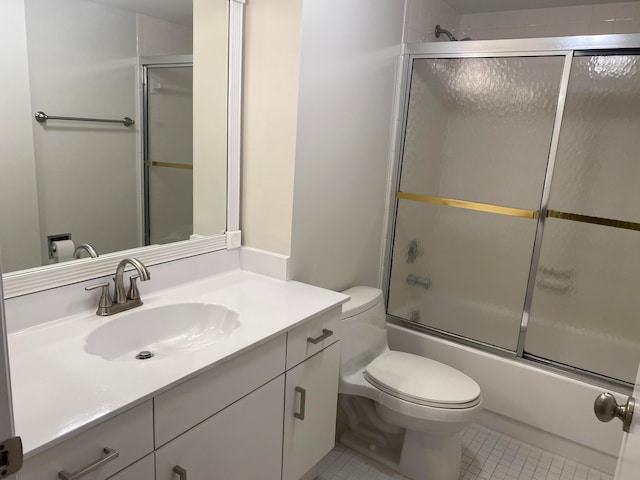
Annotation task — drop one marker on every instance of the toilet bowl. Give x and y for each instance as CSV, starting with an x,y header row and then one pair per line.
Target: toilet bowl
x,y
403,410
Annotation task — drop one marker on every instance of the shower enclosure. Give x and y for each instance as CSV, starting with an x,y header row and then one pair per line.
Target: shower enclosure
x,y
167,148
517,209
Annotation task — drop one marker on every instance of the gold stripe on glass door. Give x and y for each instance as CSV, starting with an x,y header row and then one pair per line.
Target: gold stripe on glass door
x,y
607,222
184,166
481,207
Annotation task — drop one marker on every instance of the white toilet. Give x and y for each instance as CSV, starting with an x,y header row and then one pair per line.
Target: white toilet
x,y
403,410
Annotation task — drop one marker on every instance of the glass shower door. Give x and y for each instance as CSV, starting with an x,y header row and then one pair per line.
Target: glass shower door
x,y
477,140
586,300
169,153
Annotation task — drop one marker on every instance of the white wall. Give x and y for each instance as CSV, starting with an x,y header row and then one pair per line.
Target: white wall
x,y
210,116
349,52
318,95
623,17
270,107
422,18
18,195
159,37
87,181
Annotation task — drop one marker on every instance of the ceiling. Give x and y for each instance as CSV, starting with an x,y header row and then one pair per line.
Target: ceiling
x,y
175,11
480,6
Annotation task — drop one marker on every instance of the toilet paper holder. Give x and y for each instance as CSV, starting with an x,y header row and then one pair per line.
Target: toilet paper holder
x,y
51,239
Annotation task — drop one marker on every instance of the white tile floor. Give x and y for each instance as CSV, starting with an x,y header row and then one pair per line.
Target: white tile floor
x,y
486,455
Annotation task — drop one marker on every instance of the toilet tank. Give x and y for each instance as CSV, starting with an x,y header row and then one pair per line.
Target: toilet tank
x,y
364,329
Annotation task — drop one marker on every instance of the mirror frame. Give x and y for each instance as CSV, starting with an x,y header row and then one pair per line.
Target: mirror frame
x,y
32,280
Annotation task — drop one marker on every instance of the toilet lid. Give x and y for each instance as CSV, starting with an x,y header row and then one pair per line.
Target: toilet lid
x,y
421,380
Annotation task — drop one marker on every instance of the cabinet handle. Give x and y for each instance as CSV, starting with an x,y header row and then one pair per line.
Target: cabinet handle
x,y
110,453
181,472
303,401
325,334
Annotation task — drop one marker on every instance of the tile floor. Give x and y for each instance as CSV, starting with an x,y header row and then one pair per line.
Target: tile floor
x,y
486,455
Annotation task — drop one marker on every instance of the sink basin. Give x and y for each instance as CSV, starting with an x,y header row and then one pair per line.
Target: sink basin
x,y
164,331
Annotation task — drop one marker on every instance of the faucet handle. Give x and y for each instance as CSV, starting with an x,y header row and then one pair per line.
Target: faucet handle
x,y
133,293
105,301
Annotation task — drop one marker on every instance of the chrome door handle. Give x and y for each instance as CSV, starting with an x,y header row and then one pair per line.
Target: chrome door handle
x,y
303,401
606,408
181,472
110,453
326,333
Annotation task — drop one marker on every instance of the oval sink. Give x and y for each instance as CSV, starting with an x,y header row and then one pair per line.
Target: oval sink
x,y
163,331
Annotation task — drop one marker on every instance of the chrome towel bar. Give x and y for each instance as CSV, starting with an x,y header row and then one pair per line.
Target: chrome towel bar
x,y
43,117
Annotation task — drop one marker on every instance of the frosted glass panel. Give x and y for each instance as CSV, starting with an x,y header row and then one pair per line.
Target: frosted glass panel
x,y
586,306
461,271
597,169
586,303
170,137
479,129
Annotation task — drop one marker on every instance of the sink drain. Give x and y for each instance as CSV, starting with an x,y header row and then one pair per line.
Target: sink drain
x,y
144,355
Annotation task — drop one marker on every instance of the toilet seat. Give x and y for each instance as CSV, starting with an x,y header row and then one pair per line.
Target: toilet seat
x,y
422,381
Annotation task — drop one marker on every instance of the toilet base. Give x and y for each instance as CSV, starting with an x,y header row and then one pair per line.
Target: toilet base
x,y
431,457
423,456
387,457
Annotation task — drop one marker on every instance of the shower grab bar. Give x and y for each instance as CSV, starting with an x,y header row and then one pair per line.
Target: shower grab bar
x,y
42,117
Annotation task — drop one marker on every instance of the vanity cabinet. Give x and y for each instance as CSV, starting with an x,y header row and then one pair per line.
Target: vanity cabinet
x,y
130,434
225,423
310,412
242,442
143,469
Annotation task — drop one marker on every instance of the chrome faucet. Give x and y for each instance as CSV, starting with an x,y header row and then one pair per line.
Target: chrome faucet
x,y
87,248
122,301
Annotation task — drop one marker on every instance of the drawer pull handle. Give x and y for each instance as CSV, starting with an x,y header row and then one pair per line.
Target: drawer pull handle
x,y
181,472
325,334
110,454
303,401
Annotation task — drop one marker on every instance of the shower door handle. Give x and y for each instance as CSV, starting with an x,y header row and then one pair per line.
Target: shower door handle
x,y
606,408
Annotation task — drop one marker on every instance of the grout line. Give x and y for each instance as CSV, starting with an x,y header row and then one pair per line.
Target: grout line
x,y
486,455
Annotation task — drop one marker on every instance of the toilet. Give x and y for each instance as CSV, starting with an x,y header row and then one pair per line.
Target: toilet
x,y
403,410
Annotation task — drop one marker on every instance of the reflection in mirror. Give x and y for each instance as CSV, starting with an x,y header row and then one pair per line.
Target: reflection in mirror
x,y
90,180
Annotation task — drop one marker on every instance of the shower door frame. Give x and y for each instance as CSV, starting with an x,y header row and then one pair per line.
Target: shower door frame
x,y
146,63
534,47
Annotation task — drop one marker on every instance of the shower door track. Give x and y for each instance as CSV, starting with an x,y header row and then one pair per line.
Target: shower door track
x,y
556,46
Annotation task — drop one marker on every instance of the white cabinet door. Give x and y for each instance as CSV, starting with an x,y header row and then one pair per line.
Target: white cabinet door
x,y
312,389
241,442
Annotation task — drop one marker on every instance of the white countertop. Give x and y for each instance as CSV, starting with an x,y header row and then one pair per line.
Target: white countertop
x,y
59,389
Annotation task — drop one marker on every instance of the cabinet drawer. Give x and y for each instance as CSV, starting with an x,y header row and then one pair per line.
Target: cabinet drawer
x,y
195,400
130,434
300,340
141,470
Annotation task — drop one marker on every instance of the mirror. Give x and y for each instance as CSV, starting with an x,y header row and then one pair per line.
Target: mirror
x,y
115,187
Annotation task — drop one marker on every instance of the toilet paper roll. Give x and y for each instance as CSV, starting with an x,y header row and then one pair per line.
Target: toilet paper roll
x,y
63,250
